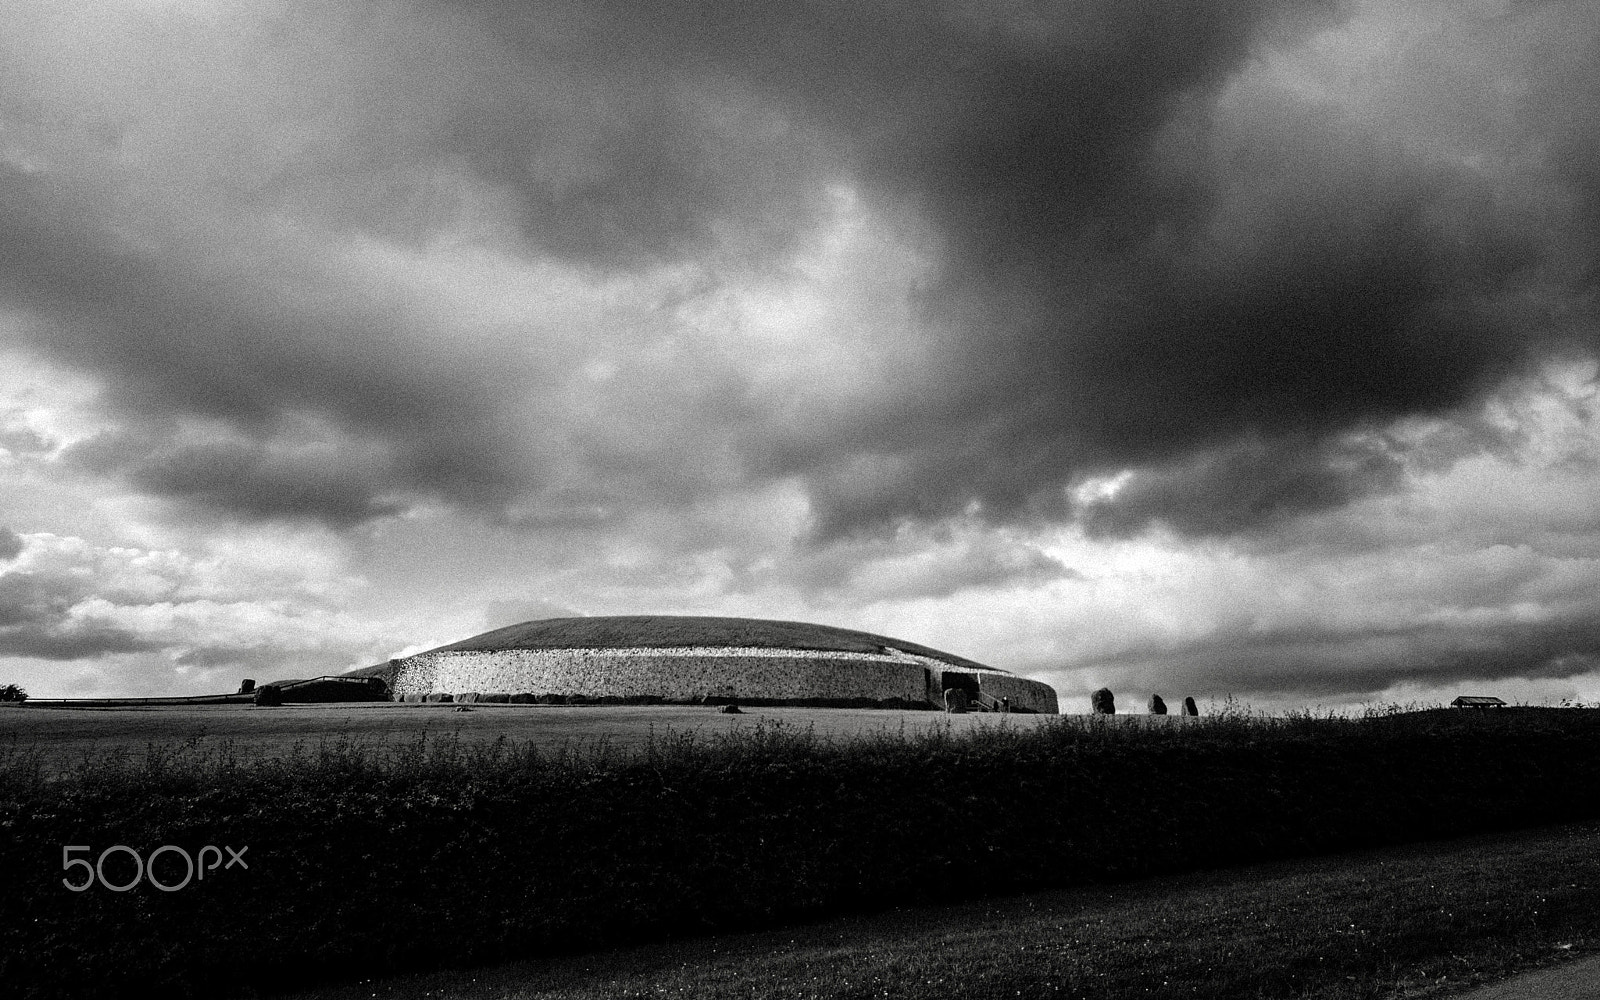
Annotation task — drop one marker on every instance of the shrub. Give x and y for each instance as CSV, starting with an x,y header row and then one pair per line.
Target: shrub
x,y
12,692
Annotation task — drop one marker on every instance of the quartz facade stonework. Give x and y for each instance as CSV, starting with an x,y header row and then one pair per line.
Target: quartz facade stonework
x,y
1023,693
690,673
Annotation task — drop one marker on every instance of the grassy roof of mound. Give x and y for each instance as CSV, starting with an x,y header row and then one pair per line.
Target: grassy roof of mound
x,y
675,631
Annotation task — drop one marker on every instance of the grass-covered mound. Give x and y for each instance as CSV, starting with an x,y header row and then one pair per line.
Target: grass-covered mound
x,y
367,859
682,631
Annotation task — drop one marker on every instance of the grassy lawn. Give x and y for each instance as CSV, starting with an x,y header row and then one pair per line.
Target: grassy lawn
x,y
408,855
65,735
1418,921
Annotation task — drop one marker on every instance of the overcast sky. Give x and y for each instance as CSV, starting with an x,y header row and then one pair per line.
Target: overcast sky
x,y
1192,347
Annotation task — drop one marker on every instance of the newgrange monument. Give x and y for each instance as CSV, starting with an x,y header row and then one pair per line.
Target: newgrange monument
x,y
687,660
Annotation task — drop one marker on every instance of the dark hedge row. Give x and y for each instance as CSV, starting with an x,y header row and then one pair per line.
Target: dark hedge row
x,y
364,860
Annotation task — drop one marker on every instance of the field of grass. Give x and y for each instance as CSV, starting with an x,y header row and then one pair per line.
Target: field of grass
x,y
389,855
1413,922
65,735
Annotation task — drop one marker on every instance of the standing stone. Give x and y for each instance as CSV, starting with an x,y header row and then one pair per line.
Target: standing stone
x,y
1157,706
1103,702
1189,708
955,701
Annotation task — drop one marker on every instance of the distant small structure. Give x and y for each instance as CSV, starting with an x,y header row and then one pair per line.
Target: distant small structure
x,y
1103,702
1477,701
1157,706
268,696
1189,707
329,688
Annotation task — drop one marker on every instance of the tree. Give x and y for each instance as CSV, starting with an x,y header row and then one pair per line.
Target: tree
x,y
11,692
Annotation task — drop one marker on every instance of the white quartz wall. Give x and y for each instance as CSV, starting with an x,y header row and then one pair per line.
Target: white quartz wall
x,y
1034,696
694,672
675,673
1023,693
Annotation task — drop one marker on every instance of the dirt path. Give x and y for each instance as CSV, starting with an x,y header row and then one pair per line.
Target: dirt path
x,y
1578,979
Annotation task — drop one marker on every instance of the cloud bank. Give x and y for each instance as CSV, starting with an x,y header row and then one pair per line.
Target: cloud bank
x,y
881,313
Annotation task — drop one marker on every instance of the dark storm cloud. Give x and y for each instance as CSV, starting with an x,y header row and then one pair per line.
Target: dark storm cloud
x,y
1138,271
24,441
405,405
160,616
925,568
1011,124
79,640
10,544
36,620
1142,255
1140,266
176,340
1343,665
1373,290
27,597
264,661
1244,487
245,477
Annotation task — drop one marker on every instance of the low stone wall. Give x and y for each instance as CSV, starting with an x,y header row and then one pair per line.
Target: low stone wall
x,y
687,674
